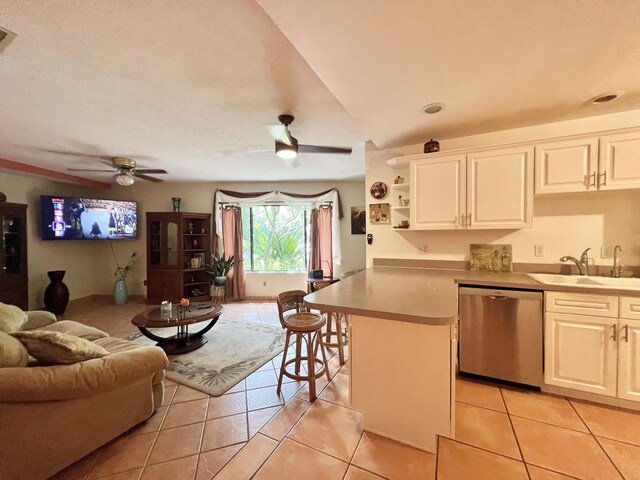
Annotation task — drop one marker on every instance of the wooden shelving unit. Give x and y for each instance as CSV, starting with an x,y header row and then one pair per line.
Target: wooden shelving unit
x,y
14,283
178,250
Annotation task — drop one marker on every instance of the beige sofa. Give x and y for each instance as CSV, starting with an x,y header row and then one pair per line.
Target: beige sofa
x,y
51,416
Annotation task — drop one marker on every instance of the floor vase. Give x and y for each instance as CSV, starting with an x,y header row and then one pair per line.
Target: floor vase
x,y
120,293
56,295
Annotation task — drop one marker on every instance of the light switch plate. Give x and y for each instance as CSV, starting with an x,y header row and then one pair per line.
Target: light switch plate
x,y
606,251
539,250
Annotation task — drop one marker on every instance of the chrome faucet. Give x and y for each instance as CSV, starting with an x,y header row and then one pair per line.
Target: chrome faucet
x,y
582,264
617,268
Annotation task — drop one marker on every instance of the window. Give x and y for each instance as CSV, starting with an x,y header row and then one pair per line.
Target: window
x,y
275,238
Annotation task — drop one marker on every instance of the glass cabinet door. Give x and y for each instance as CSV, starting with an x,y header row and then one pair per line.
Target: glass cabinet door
x,y
172,243
12,241
155,243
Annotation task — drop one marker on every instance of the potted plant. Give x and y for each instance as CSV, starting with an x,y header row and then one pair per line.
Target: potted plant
x,y
220,267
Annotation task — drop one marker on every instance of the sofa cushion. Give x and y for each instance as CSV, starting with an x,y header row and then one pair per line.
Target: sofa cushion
x,y
38,319
11,318
12,352
118,345
52,348
76,329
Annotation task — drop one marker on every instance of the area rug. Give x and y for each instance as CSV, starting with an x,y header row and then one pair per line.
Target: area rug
x,y
234,350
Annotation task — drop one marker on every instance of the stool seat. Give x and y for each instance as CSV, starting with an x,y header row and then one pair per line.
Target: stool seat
x,y
304,321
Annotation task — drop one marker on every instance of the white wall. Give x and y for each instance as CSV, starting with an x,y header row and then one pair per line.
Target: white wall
x,y
564,224
77,258
198,198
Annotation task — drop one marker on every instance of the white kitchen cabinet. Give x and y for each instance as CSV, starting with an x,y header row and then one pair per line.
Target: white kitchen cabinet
x,y
619,161
480,190
580,352
629,359
566,166
439,193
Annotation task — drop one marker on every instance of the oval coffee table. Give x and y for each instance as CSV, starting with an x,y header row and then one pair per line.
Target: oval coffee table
x,y
182,341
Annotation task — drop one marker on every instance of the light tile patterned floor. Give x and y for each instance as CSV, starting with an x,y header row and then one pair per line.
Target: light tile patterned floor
x,y
250,432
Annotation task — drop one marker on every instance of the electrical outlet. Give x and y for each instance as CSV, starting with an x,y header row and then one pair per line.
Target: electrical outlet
x,y
539,250
606,251
264,283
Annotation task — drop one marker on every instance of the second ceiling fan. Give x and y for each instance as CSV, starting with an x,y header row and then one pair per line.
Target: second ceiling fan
x,y
287,145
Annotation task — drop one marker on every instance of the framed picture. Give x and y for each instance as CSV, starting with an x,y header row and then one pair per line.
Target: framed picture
x,y
379,213
358,220
379,190
199,257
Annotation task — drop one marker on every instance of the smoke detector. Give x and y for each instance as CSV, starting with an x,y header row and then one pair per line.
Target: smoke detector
x,y
5,38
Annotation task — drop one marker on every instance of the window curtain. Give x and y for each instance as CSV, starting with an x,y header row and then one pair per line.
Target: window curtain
x,y
311,201
320,248
232,245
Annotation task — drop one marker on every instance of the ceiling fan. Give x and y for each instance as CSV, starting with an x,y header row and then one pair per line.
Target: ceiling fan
x,y
125,170
287,146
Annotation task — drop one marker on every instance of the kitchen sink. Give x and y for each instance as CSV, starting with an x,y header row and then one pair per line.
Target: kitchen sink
x,y
587,282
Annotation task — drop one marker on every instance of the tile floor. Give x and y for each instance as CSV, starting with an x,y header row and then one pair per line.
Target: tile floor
x,y
250,432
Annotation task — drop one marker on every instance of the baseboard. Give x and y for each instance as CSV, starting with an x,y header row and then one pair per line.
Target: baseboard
x,y
259,299
591,397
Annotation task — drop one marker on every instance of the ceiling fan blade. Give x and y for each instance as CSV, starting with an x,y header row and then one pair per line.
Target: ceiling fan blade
x,y
74,154
150,170
89,170
145,177
319,149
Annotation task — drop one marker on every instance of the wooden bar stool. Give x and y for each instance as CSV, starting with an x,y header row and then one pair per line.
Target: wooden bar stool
x,y
306,326
342,336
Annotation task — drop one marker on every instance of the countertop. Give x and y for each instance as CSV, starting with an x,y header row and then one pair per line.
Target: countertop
x,y
423,295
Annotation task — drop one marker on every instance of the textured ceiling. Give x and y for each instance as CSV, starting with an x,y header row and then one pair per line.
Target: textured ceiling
x,y
194,87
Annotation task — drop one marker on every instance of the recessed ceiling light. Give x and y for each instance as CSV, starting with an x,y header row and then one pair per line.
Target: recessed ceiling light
x,y
606,97
433,108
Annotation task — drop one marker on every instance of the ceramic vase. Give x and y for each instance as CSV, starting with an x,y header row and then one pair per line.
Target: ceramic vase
x,y
56,295
120,292
220,281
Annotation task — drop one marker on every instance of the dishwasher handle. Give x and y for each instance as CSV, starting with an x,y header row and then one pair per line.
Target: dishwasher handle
x,y
499,294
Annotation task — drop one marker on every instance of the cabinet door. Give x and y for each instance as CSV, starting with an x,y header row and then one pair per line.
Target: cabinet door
x,y
619,165
438,193
580,353
500,188
567,166
629,360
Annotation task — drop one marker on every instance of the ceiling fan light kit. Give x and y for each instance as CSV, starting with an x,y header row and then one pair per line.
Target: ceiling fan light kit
x,y
124,179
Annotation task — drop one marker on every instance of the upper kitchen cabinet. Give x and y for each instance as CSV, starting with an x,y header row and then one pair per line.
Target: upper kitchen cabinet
x,y
500,188
619,165
567,166
490,189
583,164
439,193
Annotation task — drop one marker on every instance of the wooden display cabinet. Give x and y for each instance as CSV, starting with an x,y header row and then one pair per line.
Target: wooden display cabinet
x,y
14,283
178,252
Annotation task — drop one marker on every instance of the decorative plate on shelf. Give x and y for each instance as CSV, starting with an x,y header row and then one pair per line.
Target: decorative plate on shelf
x,y
379,190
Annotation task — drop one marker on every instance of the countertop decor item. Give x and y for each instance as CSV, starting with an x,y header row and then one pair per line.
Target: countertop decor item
x,y
432,146
379,190
3,197
176,203
56,295
399,180
491,258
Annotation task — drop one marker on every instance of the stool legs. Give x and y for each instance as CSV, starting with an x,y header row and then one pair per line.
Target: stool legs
x,y
284,359
311,368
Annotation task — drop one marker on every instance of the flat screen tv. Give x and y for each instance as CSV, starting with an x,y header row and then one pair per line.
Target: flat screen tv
x,y
79,218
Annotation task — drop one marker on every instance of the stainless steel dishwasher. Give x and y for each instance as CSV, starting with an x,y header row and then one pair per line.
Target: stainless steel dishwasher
x,y
501,334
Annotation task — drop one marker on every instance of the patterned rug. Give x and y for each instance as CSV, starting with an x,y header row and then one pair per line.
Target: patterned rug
x,y
235,350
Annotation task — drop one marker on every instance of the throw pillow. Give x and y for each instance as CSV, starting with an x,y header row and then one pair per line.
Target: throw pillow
x,y
76,329
11,318
38,319
12,352
53,348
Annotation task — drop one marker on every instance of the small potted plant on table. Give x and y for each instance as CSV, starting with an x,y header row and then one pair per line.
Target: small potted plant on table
x,y
220,267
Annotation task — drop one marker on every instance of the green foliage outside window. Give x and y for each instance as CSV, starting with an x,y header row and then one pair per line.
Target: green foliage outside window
x,y
278,239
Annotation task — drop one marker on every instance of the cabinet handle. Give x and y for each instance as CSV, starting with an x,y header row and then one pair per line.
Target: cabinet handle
x,y
604,179
614,333
463,220
590,180
626,333
468,220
